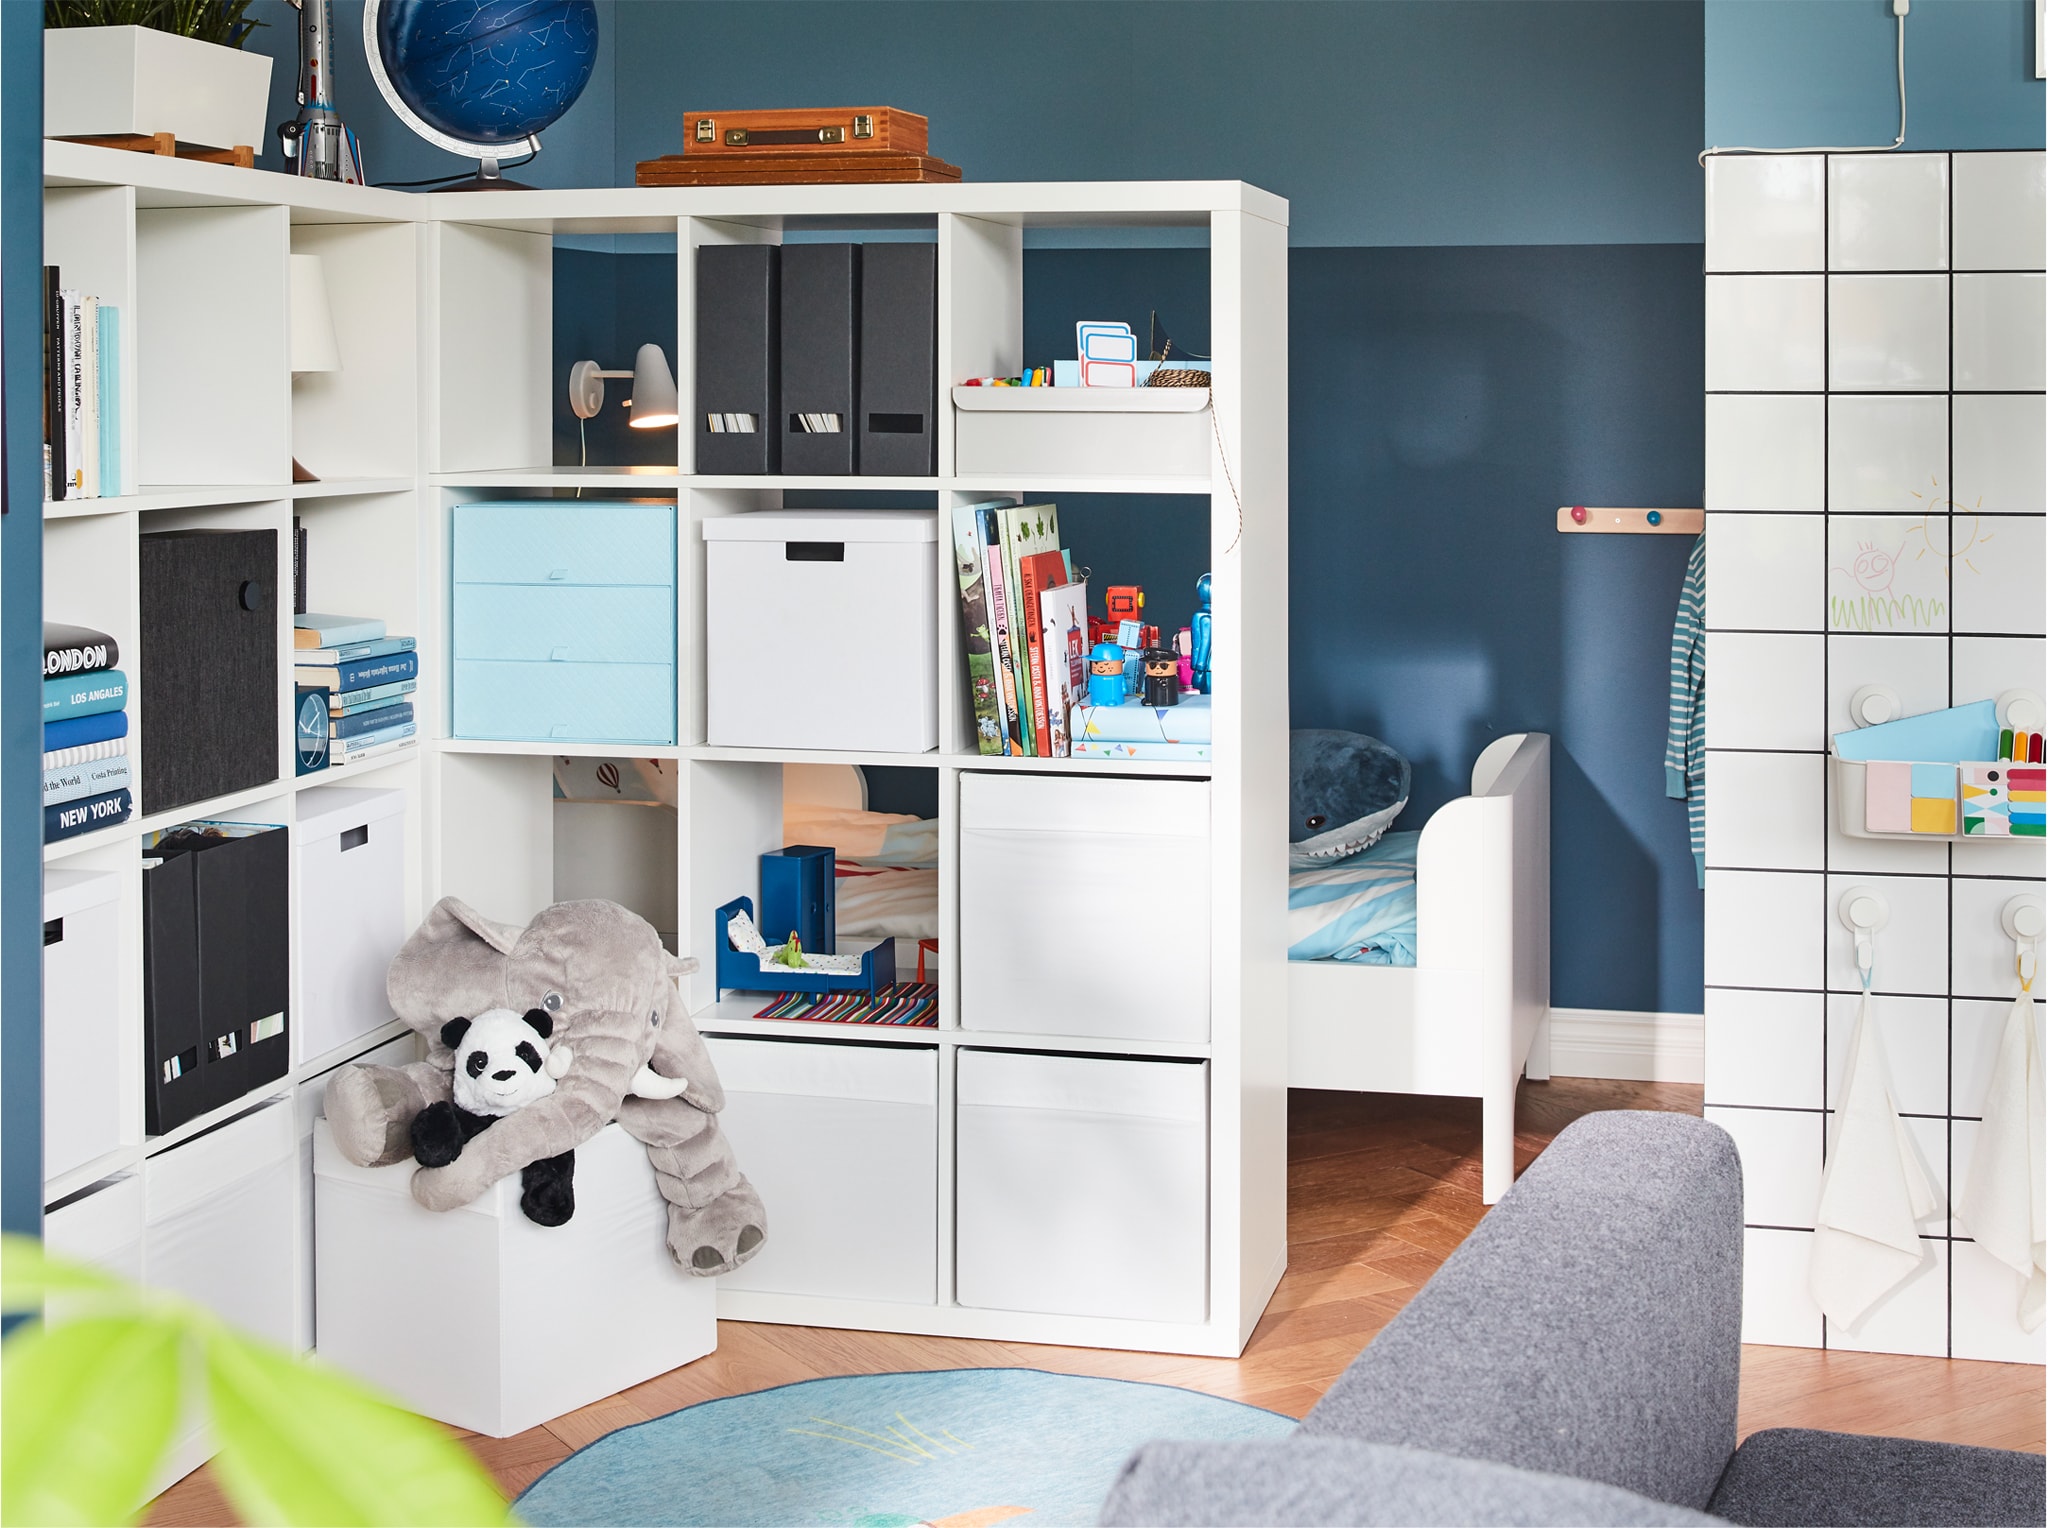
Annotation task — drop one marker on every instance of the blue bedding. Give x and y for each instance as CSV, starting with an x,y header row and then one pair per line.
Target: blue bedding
x,y
1360,909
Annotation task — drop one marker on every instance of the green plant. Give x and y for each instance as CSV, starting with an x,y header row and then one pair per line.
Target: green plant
x,y
90,1400
223,21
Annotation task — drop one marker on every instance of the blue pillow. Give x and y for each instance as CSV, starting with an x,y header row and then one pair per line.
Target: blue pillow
x,y
1344,790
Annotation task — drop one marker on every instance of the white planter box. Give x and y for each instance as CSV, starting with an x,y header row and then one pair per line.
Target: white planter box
x,y
1141,432
350,906
1083,1185
81,1017
104,80
811,1125
1033,850
821,629
482,1319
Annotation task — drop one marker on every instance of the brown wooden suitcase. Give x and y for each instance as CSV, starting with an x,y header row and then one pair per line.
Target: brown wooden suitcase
x,y
805,132
789,170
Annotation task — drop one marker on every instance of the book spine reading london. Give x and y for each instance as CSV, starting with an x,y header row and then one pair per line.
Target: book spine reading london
x,y
77,649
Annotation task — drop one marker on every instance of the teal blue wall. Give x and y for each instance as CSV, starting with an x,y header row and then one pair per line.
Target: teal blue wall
x,y
1402,122
577,151
21,615
1787,73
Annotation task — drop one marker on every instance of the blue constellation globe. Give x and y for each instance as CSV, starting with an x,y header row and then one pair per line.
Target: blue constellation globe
x,y
479,75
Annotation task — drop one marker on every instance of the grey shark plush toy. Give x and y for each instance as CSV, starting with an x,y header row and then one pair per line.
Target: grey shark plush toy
x,y
1344,791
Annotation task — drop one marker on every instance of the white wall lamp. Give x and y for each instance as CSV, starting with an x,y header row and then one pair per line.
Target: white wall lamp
x,y
312,336
653,402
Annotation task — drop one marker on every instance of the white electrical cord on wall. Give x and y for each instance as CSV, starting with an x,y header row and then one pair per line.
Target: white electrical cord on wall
x,y
1899,9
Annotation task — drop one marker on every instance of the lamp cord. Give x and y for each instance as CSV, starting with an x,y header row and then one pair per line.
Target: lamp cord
x,y
1899,8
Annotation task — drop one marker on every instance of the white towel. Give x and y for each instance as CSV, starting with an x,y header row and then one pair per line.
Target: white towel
x,y
1866,1235
2001,1205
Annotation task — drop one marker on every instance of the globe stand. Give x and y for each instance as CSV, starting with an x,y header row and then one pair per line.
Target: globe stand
x,y
487,178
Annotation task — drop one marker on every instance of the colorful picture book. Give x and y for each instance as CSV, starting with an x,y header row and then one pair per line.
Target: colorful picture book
x,y
1020,679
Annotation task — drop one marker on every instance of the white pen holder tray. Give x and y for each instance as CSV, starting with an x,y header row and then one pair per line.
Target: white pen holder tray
x,y
1976,809
1113,432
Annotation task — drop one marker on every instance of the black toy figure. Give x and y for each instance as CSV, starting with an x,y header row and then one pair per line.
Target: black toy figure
x,y
1162,676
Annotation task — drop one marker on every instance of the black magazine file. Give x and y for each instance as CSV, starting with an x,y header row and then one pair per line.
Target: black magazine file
x,y
820,356
217,972
207,692
739,354
899,360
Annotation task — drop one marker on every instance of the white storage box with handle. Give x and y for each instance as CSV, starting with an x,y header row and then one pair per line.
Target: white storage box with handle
x,y
350,904
843,1143
1082,1185
81,1017
1062,880
482,1319
821,629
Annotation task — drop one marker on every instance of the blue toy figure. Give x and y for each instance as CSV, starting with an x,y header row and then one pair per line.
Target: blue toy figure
x,y
1106,675
1203,626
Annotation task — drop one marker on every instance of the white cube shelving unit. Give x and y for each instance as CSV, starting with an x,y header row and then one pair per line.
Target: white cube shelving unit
x,y
444,310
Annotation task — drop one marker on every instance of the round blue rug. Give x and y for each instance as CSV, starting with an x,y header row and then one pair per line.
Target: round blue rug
x,y
959,1448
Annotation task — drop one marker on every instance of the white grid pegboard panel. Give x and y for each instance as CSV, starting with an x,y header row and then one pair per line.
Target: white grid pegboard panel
x,y
1877,445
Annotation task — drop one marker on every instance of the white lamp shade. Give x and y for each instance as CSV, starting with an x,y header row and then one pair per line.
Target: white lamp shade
x,y
654,390
313,346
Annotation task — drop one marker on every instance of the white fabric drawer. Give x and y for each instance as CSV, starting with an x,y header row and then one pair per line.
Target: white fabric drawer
x,y
843,1142
1082,1185
350,904
1084,906
221,1222
81,1017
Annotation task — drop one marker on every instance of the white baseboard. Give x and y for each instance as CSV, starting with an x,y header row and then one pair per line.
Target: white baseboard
x,y
1634,1047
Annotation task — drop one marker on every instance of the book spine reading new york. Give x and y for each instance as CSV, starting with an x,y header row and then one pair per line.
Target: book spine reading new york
x,y
82,457
87,777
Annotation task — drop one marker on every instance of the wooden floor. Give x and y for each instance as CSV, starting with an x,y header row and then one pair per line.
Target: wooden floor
x,y
1380,1189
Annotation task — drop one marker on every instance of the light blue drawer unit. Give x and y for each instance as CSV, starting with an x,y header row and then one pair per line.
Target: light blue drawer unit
x,y
564,622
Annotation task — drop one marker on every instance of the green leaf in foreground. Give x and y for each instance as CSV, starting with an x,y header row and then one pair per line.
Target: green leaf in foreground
x,y
89,1405
302,1444
28,1276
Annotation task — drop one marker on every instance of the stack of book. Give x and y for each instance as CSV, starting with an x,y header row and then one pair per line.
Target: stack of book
x,y
87,782
369,678
81,393
1024,611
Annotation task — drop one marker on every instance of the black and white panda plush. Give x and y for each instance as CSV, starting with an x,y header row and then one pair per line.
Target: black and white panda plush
x,y
503,1062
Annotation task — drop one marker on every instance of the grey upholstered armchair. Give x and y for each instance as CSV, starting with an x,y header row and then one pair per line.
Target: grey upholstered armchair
x,y
1576,1361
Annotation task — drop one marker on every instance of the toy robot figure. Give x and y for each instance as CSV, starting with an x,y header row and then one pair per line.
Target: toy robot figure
x,y
1204,627
1123,601
1106,675
1162,676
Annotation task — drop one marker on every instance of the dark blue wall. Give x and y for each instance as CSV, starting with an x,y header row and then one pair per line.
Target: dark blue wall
x,y
1392,122
1444,402
21,615
1781,74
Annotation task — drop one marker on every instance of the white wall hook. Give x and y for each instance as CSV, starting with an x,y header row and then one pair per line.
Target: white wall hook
x,y
1864,911
2022,711
2025,920
1873,704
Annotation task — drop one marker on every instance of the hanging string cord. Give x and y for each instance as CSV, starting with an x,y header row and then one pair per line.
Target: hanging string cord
x,y
1899,8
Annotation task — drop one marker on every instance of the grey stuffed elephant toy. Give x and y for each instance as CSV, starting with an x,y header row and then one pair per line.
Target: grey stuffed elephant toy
x,y
601,973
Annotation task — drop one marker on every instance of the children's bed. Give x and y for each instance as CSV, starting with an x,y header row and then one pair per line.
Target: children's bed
x,y
1471,1015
